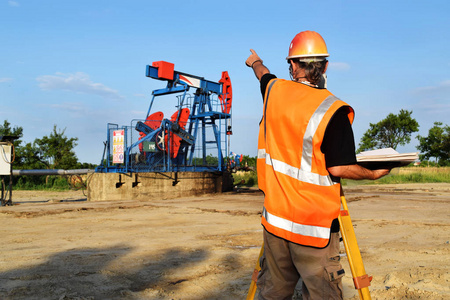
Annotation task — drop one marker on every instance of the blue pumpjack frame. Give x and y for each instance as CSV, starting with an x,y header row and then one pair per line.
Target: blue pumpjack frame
x,y
202,117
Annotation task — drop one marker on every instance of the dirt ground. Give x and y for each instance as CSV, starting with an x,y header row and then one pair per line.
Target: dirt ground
x,y
57,245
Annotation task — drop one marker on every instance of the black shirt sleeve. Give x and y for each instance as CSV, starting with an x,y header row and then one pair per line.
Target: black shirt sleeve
x,y
338,144
265,81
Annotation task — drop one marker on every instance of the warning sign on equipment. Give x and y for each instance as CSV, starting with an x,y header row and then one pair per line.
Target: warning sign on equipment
x,y
118,145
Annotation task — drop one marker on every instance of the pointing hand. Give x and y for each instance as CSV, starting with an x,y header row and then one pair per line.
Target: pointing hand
x,y
252,59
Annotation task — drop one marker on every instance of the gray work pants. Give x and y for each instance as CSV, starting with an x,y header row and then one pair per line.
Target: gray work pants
x,y
284,263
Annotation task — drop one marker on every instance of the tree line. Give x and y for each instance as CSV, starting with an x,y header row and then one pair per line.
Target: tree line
x,y
56,150
396,129
53,151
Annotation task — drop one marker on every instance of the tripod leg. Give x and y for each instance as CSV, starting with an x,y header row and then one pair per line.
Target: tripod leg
x,y
360,279
252,289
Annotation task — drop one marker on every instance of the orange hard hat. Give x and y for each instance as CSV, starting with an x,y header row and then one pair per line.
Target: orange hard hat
x,y
308,44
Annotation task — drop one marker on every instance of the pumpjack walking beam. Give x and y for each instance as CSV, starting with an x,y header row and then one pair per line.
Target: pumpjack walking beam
x,y
360,278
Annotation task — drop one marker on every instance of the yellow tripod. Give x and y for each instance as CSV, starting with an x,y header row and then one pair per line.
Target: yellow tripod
x,y
252,289
360,279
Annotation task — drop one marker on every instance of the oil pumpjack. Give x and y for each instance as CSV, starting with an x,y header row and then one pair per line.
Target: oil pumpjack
x,y
194,139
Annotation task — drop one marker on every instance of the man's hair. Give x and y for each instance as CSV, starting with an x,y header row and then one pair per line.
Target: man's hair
x,y
313,70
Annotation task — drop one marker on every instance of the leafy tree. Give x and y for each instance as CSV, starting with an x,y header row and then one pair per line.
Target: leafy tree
x,y
210,160
24,156
390,132
53,151
5,130
56,150
30,157
85,166
436,144
249,161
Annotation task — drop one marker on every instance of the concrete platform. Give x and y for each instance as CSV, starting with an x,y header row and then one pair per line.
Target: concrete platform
x,y
145,186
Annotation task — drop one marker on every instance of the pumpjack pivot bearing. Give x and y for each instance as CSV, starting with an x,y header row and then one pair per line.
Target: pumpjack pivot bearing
x,y
175,127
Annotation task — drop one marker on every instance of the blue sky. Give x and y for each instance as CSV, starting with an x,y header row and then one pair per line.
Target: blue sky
x,y
81,64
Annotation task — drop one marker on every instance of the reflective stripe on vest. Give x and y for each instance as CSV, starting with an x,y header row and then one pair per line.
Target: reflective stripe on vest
x,y
304,173
296,173
306,230
311,131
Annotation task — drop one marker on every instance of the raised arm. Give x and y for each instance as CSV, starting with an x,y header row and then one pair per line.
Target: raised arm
x,y
256,63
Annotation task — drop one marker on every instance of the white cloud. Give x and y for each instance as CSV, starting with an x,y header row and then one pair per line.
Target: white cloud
x,y
138,114
141,95
433,100
433,107
5,80
71,107
13,3
442,87
339,66
78,82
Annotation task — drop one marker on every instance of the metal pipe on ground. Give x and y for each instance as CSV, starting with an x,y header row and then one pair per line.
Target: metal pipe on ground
x,y
52,172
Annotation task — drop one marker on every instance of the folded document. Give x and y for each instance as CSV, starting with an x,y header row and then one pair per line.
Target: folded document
x,y
385,158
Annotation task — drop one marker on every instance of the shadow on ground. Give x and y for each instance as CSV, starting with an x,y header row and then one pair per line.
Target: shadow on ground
x,y
103,273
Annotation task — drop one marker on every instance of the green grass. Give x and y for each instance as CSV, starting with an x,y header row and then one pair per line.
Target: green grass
x,y
417,175
39,183
247,179
397,176
250,179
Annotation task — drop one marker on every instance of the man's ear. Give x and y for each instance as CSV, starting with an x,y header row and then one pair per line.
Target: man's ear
x,y
293,66
326,67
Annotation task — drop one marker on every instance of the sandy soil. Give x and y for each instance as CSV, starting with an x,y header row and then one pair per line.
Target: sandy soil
x,y
59,246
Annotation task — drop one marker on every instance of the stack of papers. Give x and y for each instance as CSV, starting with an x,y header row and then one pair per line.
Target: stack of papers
x,y
385,158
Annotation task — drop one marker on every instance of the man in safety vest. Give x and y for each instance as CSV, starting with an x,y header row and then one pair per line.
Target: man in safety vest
x,y
305,146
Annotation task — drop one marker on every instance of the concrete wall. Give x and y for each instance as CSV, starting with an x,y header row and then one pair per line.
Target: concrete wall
x,y
147,186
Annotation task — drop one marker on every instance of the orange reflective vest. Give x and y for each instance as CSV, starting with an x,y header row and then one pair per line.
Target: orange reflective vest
x,y
301,200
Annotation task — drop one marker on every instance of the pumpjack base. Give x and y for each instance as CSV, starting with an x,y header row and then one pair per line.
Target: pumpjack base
x,y
155,185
